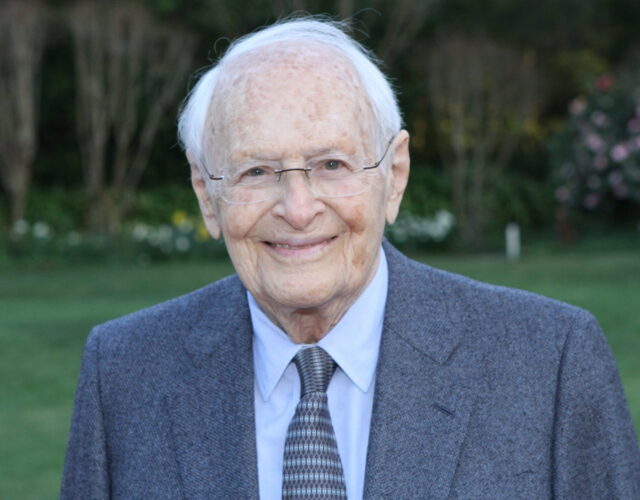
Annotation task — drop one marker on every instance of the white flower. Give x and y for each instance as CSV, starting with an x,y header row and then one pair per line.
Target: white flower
x,y
182,244
20,227
140,232
409,226
41,230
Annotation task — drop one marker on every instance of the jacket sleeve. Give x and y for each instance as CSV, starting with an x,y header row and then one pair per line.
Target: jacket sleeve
x,y
85,470
595,450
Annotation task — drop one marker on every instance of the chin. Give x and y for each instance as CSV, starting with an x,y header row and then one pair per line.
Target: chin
x,y
304,292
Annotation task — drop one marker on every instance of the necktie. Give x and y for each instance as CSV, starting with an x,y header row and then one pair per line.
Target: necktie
x,y
312,467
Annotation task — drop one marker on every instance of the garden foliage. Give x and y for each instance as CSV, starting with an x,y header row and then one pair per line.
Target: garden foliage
x,y
597,152
590,166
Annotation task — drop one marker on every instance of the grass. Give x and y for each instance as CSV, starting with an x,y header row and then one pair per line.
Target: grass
x,y
45,315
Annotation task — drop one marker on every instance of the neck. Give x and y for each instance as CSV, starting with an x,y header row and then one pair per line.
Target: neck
x,y
307,326
310,325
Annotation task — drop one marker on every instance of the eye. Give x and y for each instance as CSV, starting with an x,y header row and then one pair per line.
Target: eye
x,y
253,175
255,172
333,165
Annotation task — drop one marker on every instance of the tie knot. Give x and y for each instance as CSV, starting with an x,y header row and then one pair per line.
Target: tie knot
x,y
316,368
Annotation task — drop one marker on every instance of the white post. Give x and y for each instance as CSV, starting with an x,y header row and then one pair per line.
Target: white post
x,y
512,241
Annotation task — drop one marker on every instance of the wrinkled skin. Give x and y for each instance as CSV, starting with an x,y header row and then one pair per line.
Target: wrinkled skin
x,y
305,258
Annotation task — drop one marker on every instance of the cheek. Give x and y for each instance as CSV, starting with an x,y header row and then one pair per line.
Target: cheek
x,y
364,224
358,216
238,221
233,229
366,217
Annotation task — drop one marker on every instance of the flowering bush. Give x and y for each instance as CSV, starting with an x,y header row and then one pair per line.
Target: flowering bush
x,y
414,229
597,153
184,236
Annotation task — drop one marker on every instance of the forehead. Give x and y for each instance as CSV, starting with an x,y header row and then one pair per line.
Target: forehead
x,y
305,93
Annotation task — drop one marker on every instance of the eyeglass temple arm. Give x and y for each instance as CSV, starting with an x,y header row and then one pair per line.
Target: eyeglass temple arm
x,y
213,177
377,164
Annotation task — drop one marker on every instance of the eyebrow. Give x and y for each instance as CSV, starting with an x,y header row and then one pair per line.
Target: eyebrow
x,y
246,156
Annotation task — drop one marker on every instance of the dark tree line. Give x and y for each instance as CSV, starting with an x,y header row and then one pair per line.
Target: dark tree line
x,y
90,89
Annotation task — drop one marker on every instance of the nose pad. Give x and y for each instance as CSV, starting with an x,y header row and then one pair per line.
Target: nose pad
x,y
293,179
298,204
287,170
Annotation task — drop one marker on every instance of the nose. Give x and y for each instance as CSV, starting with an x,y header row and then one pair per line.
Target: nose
x,y
297,204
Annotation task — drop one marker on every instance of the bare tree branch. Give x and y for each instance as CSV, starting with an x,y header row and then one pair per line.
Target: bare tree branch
x,y
405,20
22,29
129,70
482,94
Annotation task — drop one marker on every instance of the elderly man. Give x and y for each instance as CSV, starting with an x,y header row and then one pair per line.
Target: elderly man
x,y
332,366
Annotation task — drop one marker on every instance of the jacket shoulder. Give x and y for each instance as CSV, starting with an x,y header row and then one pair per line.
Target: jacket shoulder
x,y
166,322
496,313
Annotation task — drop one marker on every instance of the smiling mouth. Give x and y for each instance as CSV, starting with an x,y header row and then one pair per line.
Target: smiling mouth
x,y
295,247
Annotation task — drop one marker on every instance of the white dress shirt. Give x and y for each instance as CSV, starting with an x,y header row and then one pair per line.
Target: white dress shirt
x,y
354,344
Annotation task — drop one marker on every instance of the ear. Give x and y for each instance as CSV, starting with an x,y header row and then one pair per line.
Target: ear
x,y
207,207
399,175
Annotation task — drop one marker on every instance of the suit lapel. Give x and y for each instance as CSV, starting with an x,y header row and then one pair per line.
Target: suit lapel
x,y
426,382
211,407
425,388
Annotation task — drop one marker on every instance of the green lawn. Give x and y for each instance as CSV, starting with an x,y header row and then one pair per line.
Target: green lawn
x,y
46,314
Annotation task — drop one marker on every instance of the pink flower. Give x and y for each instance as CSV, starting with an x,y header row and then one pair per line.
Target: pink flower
x,y
594,142
577,106
619,153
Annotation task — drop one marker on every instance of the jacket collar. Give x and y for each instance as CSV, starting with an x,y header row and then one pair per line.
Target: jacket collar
x,y
211,407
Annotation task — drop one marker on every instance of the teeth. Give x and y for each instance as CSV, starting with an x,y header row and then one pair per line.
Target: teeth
x,y
283,245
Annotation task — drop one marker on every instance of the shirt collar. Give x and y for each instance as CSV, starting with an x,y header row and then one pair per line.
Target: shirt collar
x,y
353,343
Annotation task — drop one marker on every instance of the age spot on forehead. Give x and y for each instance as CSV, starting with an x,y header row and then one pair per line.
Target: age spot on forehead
x,y
299,84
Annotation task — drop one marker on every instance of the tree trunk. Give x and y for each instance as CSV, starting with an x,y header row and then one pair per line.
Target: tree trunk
x,y
21,46
485,93
129,70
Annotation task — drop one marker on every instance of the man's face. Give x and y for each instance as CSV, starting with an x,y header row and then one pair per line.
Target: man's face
x,y
299,250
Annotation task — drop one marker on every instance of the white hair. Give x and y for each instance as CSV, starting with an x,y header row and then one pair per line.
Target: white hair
x,y
378,90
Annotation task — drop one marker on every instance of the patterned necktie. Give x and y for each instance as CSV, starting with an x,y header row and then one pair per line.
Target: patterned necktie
x,y
312,467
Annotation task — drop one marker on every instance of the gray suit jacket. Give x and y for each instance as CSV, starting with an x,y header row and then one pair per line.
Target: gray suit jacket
x,y
481,392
